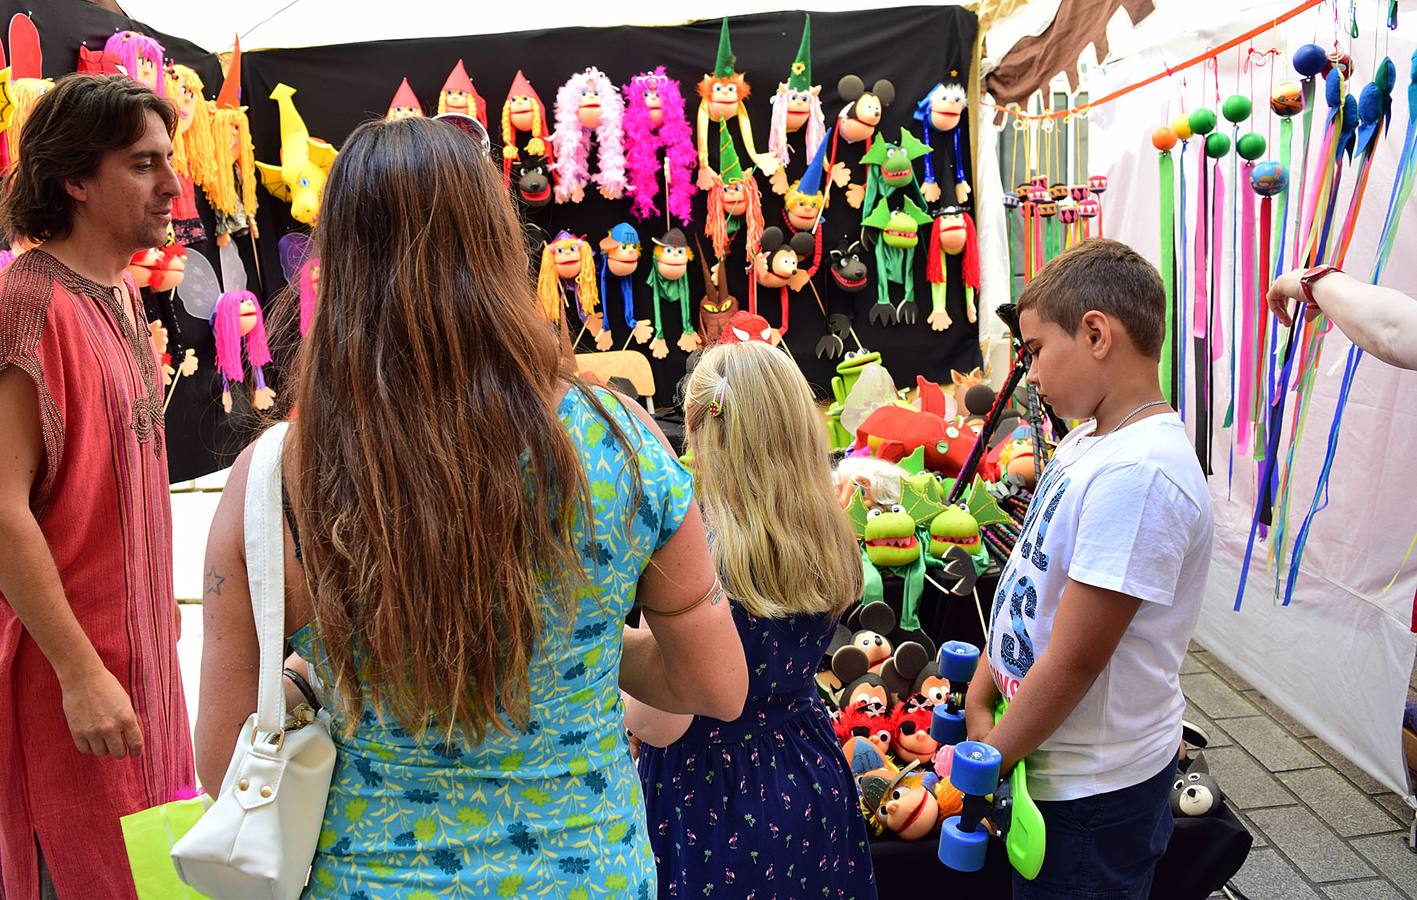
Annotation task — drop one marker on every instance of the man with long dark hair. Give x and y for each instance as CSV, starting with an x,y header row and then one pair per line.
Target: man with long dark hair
x,y
93,725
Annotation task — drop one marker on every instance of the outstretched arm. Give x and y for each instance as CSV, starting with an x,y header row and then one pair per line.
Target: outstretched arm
x,y
1380,320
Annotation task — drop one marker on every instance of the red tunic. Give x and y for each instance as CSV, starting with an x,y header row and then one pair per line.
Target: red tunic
x,y
103,505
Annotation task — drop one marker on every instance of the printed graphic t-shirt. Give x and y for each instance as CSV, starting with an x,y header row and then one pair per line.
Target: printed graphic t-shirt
x,y
1129,512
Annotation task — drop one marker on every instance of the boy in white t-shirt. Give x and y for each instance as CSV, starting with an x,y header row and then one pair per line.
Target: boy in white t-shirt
x,y
1097,604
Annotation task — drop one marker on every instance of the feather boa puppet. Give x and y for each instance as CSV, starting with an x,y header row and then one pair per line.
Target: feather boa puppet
x,y
141,58
797,104
523,111
588,102
655,121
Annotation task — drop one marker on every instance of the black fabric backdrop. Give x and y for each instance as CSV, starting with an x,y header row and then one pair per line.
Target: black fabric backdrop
x,y
340,86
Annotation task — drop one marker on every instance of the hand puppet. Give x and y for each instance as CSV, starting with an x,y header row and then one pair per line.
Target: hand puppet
x,y
721,98
848,374
658,144
236,318
797,105
619,258
940,111
232,193
895,432
717,306
668,281
193,154
523,112
304,162
141,57
849,274
901,804
952,235
890,170
775,265
405,104
734,204
746,326
857,123
891,540
568,272
898,234
459,96
159,269
534,180
588,103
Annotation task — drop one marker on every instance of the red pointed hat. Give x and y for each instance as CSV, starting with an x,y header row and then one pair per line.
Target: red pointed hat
x,y
521,86
405,97
230,96
458,80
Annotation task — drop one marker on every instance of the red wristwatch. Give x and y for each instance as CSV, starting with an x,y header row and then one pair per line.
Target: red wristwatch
x,y
1306,281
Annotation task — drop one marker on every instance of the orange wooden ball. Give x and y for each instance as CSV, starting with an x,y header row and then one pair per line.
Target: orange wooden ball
x,y
1164,138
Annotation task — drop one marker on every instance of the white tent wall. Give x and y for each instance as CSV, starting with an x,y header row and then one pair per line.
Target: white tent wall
x,y
1339,657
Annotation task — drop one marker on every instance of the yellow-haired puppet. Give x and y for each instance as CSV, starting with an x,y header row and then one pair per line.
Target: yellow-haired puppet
x,y
193,153
523,111
568,270
232,190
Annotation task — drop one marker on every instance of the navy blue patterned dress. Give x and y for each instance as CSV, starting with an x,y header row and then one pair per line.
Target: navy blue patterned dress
x,y
763,807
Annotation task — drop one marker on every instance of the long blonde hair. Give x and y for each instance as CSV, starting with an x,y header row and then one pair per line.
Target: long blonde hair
x,y
763,476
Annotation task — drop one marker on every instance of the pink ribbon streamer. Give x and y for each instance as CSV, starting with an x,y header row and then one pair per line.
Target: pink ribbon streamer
x,y
1248,324
1217,224
1198,318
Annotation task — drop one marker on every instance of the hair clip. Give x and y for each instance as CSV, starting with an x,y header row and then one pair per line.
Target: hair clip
x,y
715,407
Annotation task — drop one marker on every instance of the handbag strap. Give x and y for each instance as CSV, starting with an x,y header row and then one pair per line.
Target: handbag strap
x,y
265,572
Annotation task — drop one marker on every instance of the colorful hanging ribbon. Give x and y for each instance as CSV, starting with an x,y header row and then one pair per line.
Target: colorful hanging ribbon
x,y
1167,179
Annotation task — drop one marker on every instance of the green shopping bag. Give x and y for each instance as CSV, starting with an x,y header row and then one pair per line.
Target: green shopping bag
x,y
149,836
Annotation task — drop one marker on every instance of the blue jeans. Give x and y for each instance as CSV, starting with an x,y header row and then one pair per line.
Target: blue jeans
x,y
1104,847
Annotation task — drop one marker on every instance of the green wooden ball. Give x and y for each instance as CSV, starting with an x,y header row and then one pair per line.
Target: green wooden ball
x,y
1203,121
1236,108
1216,145
1250,146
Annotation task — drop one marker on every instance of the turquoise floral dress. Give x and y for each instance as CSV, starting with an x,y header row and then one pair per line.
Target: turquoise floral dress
x,y
552,811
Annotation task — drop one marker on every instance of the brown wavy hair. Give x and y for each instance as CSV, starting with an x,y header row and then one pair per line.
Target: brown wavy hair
x,y
435,488
65,137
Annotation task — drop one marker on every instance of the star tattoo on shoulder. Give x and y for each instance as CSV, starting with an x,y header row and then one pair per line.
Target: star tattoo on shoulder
x,y
214,581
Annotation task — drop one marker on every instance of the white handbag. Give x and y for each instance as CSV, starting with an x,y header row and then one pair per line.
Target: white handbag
x,y
258,838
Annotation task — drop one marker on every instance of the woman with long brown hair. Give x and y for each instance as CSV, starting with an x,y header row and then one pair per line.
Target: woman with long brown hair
x,y
472,524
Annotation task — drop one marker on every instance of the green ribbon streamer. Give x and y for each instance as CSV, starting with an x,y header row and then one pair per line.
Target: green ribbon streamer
x,y
1168,265
872,590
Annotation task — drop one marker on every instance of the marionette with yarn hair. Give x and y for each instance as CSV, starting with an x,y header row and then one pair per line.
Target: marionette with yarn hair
x,y
523,111
721,97
26,82
588,103
459,96
952,234
658,142
236,318
232,191
568,272
193,156
797,105
141,58
941,112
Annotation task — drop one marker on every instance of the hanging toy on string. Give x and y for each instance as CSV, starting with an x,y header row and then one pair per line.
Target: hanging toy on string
x,y
588,103
619,258
1236,109
1202,123
717,307
942,111
797,105
458,96
850,275
890,169
857,123
405,104
1309,60
776,264
304,162
899,232
523,113
232,193
1164,139
141,57
669,282
236,319
952,235
193,153
658,144
568,273
1098,185
734,204
302,268
722,95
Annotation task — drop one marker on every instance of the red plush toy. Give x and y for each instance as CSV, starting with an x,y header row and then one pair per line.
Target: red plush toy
x,y
910,723
894,432
864,721
746,326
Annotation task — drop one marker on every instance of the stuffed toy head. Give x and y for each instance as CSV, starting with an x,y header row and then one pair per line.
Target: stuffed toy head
x,y
159,268
459,96
896,162
723,91
534,181
655,121
943,105
588,103
912,674
867,722
912,741
1195,792
523,111
141,57
900,229
193,152
878,481
863,110
405,104
238,315
903,804
862,646
848,266
778,258
717,306
954,527
622,249
890,537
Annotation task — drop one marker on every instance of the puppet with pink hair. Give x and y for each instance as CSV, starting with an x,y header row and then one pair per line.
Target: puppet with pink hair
x,y
238,317
302,267
797,105
141,58
588,102
657,130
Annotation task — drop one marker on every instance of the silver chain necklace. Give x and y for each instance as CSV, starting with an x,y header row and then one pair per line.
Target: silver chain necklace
x,y
1128,417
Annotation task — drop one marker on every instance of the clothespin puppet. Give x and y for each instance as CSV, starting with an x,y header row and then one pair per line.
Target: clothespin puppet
x,y
588,103
858,120
952,235
895,258
721,97
302,267
718,306
141,57
405,104
304,162
26,82
890,169
733,203
236,318
568,273
850,274
775,265
523,111
193,154
658,144
619,258
796,105
941,111
459,96
232,193
668,281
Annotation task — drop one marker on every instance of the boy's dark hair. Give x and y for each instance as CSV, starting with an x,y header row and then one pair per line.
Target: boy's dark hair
x,y
72,126
1107,276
